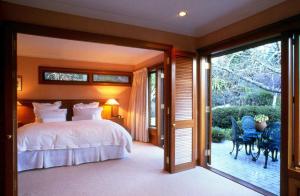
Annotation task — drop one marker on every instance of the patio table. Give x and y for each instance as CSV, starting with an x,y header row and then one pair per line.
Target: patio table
x,y
269,141
258,139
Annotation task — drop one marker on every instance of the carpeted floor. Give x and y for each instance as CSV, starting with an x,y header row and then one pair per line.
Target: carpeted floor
x,y
138,175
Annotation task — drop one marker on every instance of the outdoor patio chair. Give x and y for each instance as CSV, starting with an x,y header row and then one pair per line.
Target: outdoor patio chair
x,y
237,138
250,133
270,142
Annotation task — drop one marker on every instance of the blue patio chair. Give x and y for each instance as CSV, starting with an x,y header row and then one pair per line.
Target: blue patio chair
x,y
274,139
250,133
270,142
238,138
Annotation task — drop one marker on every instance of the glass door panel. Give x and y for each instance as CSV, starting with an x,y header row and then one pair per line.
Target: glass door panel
x,y
246,108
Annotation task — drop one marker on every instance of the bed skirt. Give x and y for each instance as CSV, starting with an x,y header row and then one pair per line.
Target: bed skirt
x,y
52,158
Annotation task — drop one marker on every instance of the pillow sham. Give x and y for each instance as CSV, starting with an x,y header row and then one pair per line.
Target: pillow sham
x,y
89,113
57,115
87,105
46,106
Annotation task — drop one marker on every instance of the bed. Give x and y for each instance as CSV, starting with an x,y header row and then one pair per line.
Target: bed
x,y
52,144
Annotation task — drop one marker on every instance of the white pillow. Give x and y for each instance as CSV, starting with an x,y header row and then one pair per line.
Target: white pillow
x,y
57,115
37,107
88,105
94,113
84,117
46,120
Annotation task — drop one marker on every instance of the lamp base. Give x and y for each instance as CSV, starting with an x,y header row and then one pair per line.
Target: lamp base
x,y
114,111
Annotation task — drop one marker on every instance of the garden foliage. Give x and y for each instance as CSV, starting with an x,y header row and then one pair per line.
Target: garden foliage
x,y
221,116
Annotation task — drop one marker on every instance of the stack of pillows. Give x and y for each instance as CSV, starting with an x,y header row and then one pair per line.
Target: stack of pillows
x,y
51,112
90,111
48,112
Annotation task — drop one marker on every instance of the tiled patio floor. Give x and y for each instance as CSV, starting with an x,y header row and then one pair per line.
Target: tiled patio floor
x,y
244,168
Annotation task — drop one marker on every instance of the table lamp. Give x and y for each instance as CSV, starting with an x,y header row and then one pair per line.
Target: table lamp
x,y
114,107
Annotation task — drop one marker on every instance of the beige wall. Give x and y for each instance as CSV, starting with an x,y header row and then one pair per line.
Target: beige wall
x,y
31,89
54,19
149,62
279,12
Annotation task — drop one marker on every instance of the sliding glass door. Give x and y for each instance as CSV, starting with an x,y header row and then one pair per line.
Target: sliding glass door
x,y
244,114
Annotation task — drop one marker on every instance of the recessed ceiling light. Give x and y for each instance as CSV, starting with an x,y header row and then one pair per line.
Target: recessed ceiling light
x,y
182,13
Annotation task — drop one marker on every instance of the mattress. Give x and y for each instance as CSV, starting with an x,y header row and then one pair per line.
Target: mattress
x,y
45,145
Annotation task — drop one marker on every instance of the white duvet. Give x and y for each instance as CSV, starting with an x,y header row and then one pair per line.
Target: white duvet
x,y
72,134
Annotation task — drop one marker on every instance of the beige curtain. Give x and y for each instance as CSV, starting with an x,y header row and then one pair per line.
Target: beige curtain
x,y
137,117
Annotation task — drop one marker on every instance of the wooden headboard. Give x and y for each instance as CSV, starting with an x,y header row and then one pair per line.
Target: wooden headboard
x,y
25,110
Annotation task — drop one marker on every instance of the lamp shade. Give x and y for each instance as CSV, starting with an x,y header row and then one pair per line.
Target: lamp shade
x,y
112,102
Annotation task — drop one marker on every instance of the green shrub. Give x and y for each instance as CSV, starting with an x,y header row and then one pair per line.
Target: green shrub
x,y
221,116
228,134
259,98
218,135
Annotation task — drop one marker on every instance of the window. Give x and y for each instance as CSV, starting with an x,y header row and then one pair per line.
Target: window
x,y
55,75
156,104
111,78
60,76
152,99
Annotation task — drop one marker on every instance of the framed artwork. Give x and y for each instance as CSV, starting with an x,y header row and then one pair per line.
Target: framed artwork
x,y
19,83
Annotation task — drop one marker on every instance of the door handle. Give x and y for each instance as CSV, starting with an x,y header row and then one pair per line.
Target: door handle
x,y
174,125
9,137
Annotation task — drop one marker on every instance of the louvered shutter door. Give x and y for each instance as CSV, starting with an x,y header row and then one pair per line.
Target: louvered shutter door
x,y
184,111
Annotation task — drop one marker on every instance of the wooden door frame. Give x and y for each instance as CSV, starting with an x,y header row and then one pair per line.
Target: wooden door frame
x,y
8,116
158,106
283,29
8,119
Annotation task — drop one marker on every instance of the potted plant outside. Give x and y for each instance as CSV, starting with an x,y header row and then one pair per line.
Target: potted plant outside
x,y
261,122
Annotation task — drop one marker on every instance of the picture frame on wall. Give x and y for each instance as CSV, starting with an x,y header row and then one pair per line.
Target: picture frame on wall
x,y
19,83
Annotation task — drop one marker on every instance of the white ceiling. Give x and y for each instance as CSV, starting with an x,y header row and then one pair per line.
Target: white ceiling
x,y
204,16
46,47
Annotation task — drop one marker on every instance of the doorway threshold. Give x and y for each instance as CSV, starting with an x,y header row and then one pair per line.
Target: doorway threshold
x,y
241,182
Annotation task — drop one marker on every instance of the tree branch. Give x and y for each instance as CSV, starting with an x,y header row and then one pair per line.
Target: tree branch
x,y
268,66
260,85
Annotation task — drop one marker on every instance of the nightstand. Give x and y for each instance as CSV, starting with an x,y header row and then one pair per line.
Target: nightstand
x,y
120,121
20,124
